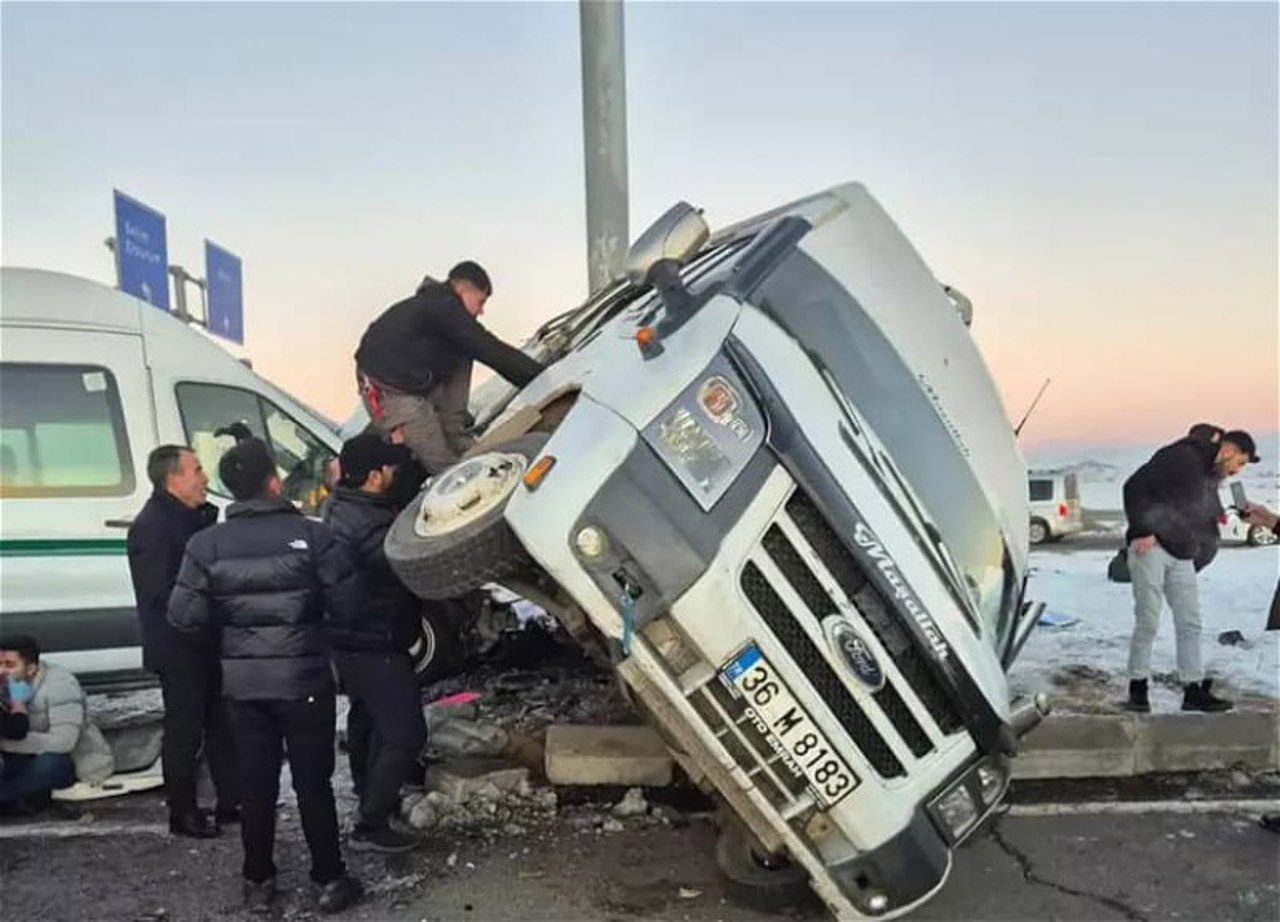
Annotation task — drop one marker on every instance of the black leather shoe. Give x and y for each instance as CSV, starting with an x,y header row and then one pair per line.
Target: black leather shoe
x,y
226,816
193,826
258,897
339,894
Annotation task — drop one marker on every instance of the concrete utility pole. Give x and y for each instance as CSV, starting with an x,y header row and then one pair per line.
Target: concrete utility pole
x,y
604,131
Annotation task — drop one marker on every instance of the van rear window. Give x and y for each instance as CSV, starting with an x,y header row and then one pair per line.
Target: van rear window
x,y
62,432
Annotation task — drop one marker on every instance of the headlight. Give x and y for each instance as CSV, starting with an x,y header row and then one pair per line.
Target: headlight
x,y
990,783
708,434
957,810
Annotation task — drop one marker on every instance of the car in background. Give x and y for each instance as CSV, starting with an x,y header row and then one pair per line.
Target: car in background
x,y
1055,505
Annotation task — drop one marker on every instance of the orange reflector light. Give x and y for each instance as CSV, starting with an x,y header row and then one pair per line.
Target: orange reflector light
x,y
536,474
645,337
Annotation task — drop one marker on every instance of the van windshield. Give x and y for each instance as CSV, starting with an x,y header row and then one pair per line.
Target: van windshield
x,y
848,347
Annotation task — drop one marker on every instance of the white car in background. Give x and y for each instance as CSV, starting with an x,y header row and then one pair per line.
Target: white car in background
x,y
1055,505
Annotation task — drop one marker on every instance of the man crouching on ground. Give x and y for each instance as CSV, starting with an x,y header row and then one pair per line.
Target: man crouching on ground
x,y
47,740
260,584
385,727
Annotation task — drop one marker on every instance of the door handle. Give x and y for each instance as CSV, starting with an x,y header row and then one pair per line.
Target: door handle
x,y
118,523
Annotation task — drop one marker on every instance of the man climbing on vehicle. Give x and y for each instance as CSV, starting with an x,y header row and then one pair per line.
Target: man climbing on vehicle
x,y
413,364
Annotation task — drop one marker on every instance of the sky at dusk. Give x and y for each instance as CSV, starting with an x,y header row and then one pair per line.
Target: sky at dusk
x,y
1101,179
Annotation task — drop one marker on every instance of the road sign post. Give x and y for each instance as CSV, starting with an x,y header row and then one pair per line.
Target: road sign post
x,y
142,255
224,312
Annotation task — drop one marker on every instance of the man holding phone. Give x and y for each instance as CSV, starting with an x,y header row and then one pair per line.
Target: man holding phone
x,y
1172,506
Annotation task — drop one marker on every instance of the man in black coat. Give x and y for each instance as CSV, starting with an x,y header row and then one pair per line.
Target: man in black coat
x,y
413,365
1172,506
264,583
190,676
385,727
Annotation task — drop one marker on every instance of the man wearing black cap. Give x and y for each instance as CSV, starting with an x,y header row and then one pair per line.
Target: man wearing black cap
x,y
413,365
1172,506
261,586
385,726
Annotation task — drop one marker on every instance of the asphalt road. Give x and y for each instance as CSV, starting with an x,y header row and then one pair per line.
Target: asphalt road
x,y
1153,866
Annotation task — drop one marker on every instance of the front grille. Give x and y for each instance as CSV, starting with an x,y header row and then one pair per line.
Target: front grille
x,y
787,559
873,607
826,683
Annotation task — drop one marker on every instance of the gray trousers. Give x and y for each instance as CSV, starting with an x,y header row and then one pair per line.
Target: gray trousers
x,y
433,425
1158,576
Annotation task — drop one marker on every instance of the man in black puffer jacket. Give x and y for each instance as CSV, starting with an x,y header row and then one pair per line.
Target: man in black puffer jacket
x,y
385,727
260,585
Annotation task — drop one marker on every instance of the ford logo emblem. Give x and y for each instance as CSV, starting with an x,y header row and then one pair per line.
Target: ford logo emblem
x,y
853,651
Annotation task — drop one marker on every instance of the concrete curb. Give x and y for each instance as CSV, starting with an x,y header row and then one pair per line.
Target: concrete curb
x,y
1124,745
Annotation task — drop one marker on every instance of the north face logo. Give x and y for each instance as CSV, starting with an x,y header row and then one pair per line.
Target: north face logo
x,y
298,544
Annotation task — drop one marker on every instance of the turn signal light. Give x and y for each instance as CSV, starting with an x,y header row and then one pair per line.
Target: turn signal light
x,y
534,476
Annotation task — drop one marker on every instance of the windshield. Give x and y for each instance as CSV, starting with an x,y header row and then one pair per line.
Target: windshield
x,y
849,348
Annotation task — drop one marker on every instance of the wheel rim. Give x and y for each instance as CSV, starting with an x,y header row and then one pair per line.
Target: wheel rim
x,y
468,491
1038,533
424,651
1264,537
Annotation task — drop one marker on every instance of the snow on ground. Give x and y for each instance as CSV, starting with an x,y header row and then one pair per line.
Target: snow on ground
x,y
1084,664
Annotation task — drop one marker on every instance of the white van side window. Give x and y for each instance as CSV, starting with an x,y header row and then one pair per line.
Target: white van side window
x,y
62,432
216,416
1041,491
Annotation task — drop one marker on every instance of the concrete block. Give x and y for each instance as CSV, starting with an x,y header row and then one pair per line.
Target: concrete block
x,y
462,779
632,756
1186,742
1078,746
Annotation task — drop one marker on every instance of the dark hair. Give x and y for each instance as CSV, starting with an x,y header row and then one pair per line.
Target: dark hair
x,y
24,645
473,272
246,468
162,462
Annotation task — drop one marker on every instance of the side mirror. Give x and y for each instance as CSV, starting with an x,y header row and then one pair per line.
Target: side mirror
x,y
963,306
674,238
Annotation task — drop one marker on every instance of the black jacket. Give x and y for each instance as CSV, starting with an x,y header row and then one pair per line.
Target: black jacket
x,y
157,539
261,582
423,340
389,613
1174,497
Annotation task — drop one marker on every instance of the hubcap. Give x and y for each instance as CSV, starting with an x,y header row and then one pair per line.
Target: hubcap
x,y
468,491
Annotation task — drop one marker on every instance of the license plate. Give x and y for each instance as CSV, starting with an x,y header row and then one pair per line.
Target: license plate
x,y
789,730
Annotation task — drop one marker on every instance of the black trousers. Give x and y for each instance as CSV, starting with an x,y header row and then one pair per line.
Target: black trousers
x,y
385,728
262,730
195,720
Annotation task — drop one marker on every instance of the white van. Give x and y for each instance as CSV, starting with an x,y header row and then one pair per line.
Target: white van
x,y
769,476
1055,505
92,379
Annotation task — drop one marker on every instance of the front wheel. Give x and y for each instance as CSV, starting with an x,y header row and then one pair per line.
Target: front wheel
x,y
453,538
771,884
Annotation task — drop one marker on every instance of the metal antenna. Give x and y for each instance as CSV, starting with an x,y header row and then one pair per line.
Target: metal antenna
x,y
1043,387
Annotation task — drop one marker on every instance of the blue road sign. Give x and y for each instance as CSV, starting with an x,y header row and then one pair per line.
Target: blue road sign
x,y
225,295
142,255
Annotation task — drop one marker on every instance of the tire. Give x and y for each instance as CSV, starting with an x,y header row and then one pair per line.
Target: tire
x,y
756,884
1261,536
1039,532
439,651
479,550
